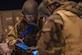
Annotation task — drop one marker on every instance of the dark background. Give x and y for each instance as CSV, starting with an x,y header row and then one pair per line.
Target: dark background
x,y
12,4
15,4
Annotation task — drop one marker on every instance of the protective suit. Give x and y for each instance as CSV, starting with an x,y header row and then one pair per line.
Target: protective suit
x,y
22,31
61,33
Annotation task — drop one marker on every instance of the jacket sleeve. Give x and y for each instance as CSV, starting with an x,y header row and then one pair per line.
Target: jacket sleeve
x,y
12,36
48,30
45,37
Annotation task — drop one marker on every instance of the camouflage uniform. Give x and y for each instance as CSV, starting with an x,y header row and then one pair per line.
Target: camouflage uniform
x,y
16,33
29,8
61,33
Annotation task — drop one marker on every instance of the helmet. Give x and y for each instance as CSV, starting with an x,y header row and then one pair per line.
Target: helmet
x,y
49,2
43,11
30,7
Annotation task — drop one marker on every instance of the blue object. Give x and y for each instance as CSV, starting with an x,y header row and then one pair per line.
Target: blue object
x,y
25,47
35,52
21,45
30,27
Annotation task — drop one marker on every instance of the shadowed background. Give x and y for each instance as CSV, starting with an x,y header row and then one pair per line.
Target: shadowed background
x,y
12,4
15,4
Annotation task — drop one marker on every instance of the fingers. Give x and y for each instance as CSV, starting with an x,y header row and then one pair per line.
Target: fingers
x,y
20,40
29,51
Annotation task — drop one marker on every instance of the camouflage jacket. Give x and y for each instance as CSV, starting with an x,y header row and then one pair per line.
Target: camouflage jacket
x,y
60,33
30,39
